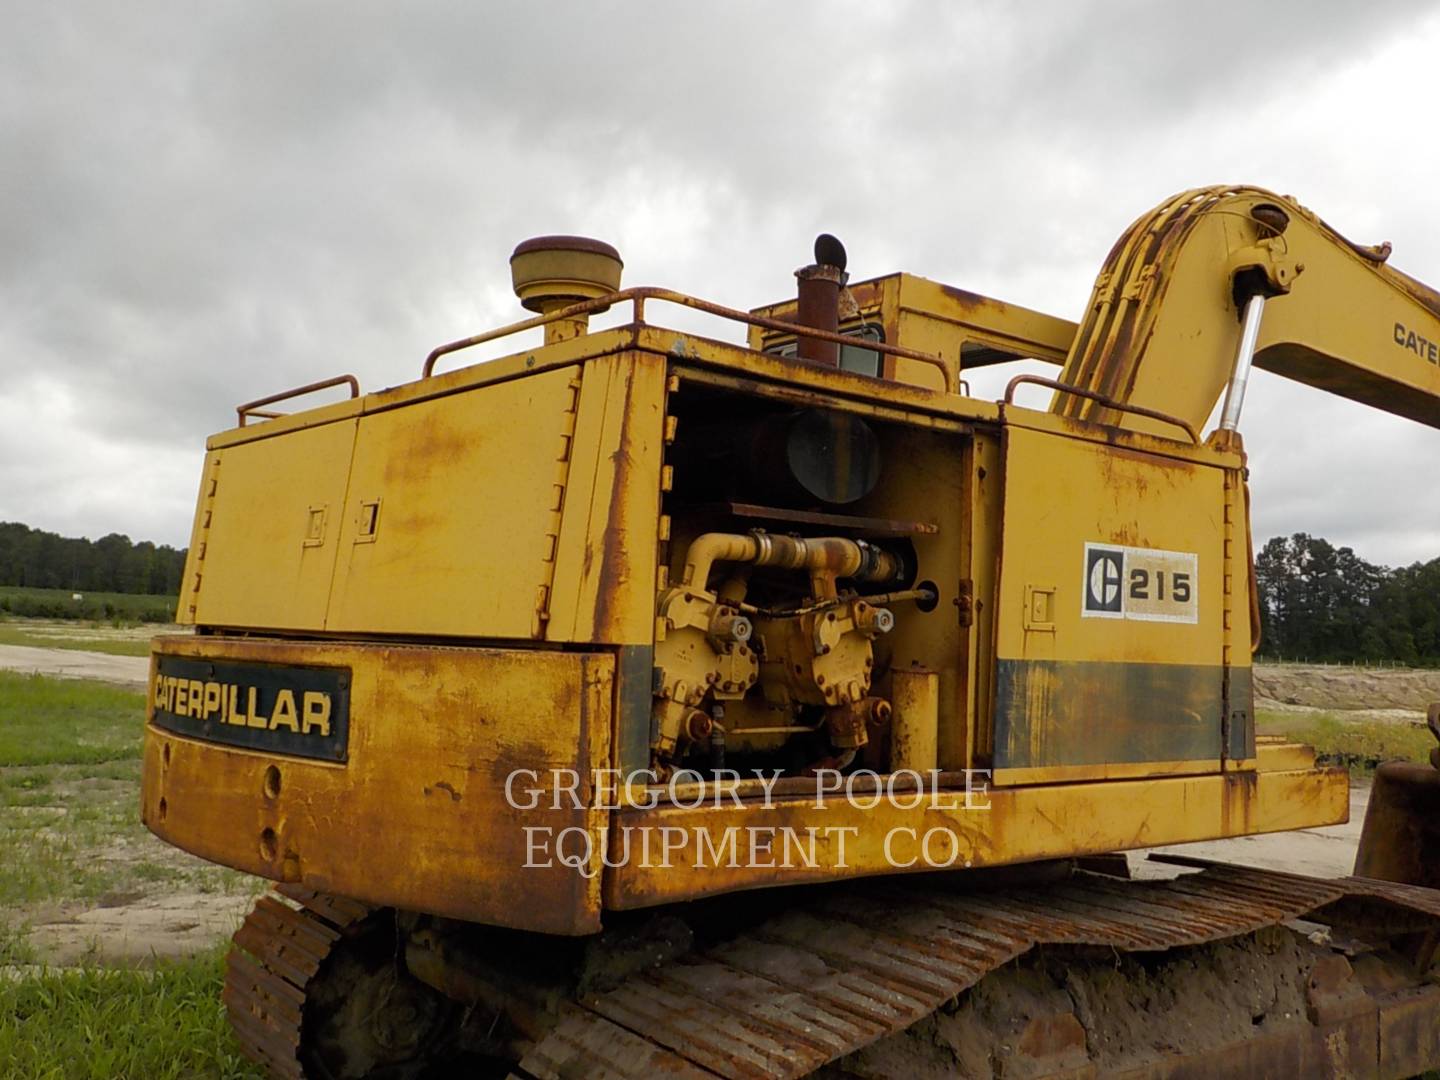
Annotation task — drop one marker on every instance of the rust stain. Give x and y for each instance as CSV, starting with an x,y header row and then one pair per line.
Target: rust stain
x,y
1237,803
1400,840
587,562
867,294
967,299
429,444
1127,535
445,787
615,552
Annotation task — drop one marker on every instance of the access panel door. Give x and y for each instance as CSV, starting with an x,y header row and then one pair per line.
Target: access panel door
x,y
453,512
267,528
1111,609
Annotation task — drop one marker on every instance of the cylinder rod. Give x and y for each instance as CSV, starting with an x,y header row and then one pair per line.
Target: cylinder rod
x,y
1240,378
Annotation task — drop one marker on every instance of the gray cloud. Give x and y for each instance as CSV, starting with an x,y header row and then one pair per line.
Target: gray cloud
x,y
206,203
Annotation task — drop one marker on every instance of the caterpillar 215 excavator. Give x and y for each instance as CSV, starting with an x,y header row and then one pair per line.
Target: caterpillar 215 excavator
x,y
644,703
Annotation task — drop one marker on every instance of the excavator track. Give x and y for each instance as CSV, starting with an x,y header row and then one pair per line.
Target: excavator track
x,y
823,981
813,989
277,953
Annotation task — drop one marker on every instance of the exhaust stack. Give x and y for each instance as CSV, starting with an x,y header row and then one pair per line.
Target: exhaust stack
x,y
818,300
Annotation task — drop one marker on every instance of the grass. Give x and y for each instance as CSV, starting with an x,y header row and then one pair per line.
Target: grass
x,y
95,1024
18,633
70,832
15,947
61,604
70,800
1360,744
71,836
71,721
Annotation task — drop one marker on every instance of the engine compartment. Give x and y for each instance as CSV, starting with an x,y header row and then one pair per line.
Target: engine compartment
x,y
797,556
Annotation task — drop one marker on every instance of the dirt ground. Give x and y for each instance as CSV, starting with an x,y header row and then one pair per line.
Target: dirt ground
x,y
75,664
130,928
1364,691
63,630
89,884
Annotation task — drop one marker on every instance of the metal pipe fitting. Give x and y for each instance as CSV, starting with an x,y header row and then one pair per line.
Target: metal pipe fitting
x,y
853,559
817,303
818,307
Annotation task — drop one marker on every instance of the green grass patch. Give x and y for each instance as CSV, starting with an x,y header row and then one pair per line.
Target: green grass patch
x,y
14,946
1360,744
61,604
70,799
12,633
70,832
96,1024
71,841
69,786
74,721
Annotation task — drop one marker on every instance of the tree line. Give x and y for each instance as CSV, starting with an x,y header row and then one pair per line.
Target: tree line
x,y
1320,602
37,559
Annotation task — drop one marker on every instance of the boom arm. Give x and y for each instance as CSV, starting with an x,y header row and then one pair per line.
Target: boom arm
x,y
1163,326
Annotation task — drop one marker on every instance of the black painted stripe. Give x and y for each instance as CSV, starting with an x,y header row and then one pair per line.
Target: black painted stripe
x,y
1056,713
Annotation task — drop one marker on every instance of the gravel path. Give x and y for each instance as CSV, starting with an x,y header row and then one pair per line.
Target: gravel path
x,y
76,664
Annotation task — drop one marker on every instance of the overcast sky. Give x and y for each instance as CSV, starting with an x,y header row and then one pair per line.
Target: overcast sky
x,y
204,203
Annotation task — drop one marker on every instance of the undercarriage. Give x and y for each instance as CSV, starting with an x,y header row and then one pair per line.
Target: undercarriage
x,y
1222,971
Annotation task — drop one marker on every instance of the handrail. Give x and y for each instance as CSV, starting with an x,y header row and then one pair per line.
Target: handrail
x,y
637,297
252,408
1109,403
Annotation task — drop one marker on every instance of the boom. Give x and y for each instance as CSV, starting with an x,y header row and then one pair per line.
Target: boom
x,y
1163,325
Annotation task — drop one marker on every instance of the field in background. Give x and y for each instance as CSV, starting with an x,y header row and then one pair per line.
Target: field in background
x,y
88,896
1357,743
1352,714
61,604
130,640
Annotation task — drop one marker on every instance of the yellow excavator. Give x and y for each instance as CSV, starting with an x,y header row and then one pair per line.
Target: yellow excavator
x,y
641,703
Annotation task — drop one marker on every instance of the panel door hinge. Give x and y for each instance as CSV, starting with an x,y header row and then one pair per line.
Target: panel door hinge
x,y
965,603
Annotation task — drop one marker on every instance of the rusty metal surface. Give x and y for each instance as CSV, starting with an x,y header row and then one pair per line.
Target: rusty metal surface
x,y
565,243
1109,403
277,951
818,307
869,527
1400,840
252,408
1418,898
585,1045
638,296
820,981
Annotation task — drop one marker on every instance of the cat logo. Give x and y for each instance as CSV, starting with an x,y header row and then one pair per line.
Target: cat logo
x,y
1145,584
1104,568
300,710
